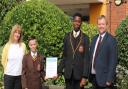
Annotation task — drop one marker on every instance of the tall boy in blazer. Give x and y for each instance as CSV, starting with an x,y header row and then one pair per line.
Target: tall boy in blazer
x,y
75,56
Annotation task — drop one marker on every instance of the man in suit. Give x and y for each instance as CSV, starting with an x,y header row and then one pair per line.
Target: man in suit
x,y
103,54
75,56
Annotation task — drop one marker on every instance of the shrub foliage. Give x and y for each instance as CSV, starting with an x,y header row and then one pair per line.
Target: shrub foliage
x,y
89,29
122,37
45,21
6,5
122,69
41,19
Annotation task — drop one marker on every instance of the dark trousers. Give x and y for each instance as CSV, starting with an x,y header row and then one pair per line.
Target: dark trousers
x,y
96,86
12,82
72,83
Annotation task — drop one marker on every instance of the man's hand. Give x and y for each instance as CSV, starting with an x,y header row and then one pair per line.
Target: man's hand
x,y
108,83
83,82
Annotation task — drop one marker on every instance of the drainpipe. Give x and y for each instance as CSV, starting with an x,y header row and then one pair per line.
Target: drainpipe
x,y
110,7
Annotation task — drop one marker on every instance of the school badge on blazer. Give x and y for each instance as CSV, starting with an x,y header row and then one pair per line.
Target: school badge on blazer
x,y
81,48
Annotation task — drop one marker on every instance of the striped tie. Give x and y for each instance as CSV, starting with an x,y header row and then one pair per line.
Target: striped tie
x,y
34,57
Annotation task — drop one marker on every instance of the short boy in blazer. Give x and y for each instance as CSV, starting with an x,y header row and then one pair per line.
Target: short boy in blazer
x,y
33,67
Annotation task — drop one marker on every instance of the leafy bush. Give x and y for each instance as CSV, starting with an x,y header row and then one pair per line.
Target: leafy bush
x,y
122,37
45,21
1,71
59,82
122,69
42,19
6,5
122,77
89,29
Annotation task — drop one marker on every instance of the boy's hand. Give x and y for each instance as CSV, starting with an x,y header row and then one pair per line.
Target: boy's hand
x,y
83,82
55,77
45,78
38,67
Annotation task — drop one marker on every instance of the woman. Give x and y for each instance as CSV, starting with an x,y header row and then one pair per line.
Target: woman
x,y
12,56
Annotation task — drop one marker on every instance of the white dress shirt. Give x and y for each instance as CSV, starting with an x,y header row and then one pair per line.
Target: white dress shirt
x,y
33,54
93,71
76,34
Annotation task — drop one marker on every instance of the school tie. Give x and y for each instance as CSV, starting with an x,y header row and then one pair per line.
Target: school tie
x,y
34,57
97,49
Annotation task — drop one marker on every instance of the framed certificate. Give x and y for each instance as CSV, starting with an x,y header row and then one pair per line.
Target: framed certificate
x,y
51,67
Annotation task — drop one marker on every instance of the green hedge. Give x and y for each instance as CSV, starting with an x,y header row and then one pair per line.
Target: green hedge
x,y
41,19
45,21
7,5
122,68
89,29
122,37
1,71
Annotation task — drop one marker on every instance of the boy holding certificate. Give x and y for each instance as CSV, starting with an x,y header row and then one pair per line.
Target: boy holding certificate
x,y
32,70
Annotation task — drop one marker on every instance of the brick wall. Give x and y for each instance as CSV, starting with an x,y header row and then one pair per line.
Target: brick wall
x,y
127,8
116,14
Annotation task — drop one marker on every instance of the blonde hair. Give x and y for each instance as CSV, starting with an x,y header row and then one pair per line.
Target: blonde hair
x,y
102,17
14,29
